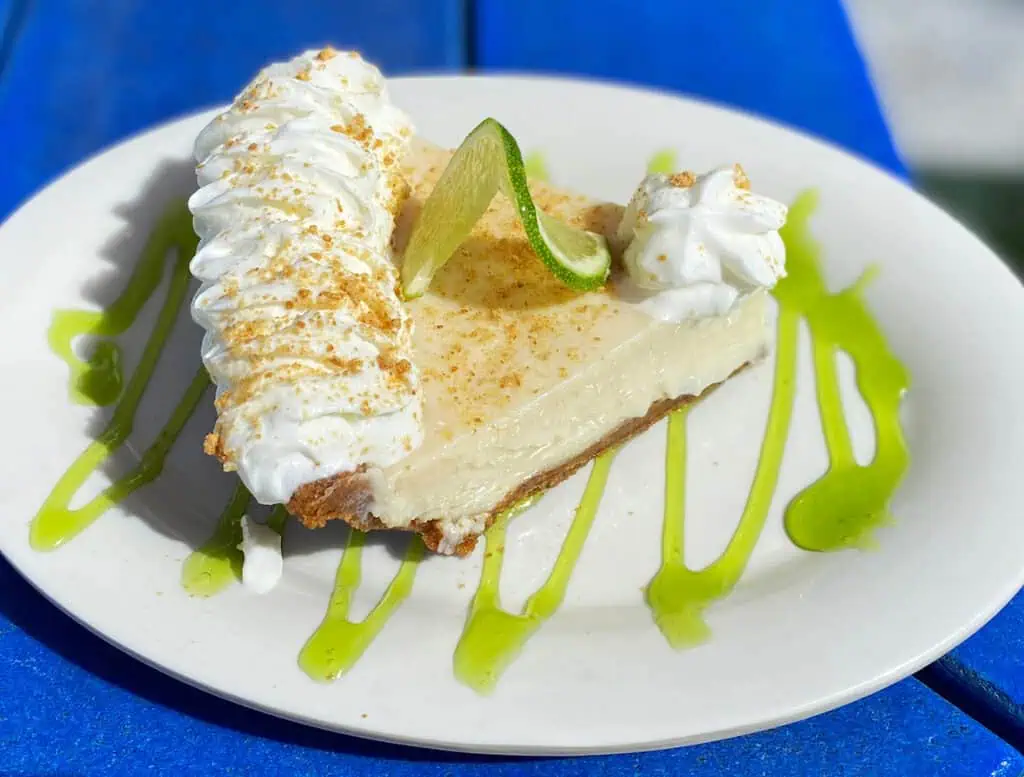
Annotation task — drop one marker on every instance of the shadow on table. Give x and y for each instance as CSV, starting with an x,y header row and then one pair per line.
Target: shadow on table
x,y
29,611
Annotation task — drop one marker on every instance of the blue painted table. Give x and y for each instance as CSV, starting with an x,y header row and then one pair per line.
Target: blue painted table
x,y
985,675
77,76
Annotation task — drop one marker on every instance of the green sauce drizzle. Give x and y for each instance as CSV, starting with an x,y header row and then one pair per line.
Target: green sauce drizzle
x,y
277,519
98,380
662,162
338,643
218,562
839,509
493,637
56,522
678,595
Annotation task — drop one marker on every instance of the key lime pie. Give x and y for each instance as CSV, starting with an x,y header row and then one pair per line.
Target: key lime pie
x,y
396,347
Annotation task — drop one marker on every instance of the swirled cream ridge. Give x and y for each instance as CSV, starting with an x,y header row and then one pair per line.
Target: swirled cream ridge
x,y
307,340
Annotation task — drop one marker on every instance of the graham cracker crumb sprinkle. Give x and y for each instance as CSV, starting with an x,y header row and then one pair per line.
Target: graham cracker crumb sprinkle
x,y
211,444
739,177
496,327
683,180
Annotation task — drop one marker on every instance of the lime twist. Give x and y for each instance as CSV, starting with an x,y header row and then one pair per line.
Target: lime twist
x,y
488,160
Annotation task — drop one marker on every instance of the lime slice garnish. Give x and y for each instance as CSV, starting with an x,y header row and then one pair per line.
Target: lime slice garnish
x,y
488,160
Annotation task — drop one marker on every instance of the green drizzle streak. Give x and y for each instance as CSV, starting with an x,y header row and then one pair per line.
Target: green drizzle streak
x,y
98,380
678,595
842,508
338,643
218,562
56,522
839,509
662,162
493,637
277,519
536,166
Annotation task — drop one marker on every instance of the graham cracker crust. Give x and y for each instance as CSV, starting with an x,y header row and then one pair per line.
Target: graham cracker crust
x,y
347,497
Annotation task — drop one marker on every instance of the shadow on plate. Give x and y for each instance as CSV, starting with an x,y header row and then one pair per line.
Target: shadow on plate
x,y
185,501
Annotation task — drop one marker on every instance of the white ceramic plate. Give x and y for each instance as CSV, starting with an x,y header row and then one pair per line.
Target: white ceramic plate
x,y
802,632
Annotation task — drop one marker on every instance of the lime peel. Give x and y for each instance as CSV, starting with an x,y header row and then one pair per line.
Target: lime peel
x,y
489,159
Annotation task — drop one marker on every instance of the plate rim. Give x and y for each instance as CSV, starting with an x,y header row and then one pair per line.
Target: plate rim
x,y
852,693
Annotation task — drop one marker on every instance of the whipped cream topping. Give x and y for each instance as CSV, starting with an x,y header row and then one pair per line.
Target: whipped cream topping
x,y
695,244
262,564
306,338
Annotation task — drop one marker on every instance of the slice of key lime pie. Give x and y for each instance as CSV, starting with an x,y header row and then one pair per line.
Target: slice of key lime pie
x,y
518,341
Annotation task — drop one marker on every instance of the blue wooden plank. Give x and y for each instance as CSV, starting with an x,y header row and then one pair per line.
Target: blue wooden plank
x,y
12,14
985,675
85,73
797,63
997,651
70,703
